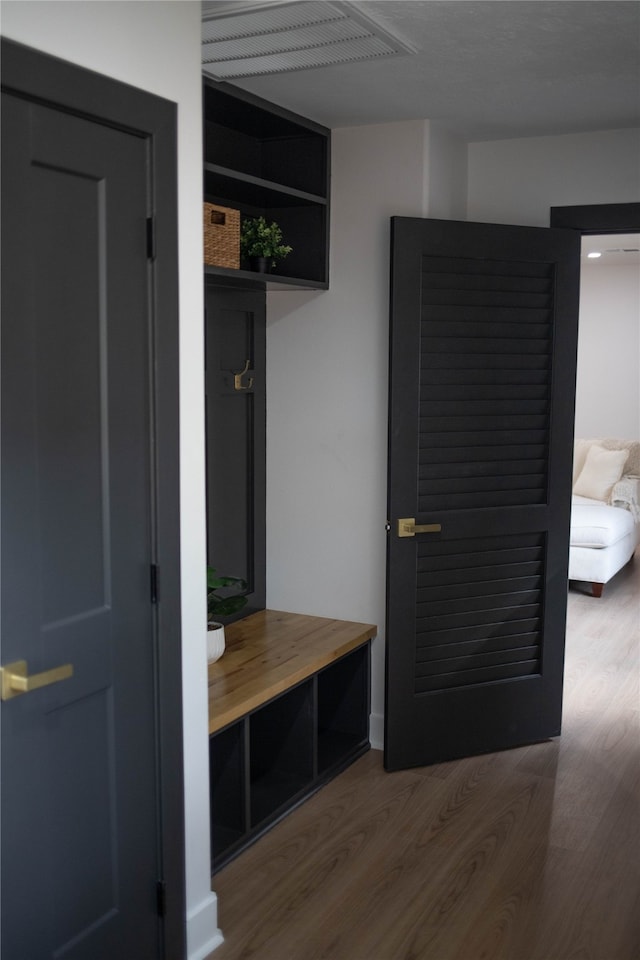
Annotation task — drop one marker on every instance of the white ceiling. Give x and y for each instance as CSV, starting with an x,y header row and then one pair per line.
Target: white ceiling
x,y
487,69
616,250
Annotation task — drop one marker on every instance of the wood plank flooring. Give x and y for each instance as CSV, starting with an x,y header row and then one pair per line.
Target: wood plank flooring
x,y
529,854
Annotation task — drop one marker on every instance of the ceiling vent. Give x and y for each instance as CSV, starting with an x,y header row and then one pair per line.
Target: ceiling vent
x,y
256,39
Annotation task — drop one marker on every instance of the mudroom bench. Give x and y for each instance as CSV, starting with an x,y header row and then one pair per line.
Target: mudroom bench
x,y
289,707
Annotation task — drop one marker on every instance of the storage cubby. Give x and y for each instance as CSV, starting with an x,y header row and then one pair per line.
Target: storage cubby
x,y
266,161
281,764
228,806
343,708
288,710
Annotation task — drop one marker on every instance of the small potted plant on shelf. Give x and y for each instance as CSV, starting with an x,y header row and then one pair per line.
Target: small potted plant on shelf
x,y
221,605
261,243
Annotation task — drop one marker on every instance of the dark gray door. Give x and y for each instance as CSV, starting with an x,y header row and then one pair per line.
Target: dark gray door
x,y
483,352
80,819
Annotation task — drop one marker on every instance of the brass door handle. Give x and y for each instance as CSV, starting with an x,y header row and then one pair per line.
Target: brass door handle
x,y
15,680
407,527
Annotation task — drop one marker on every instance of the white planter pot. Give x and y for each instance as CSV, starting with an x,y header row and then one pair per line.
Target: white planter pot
x,y
215,641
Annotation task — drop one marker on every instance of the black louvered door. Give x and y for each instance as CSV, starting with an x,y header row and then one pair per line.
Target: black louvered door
x,y
482,383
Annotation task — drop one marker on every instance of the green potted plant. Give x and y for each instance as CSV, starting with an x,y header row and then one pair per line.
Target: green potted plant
x,y
221,604
261,243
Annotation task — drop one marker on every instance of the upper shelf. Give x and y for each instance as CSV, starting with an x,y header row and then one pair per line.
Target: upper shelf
x,y
246,188
251,136
266,161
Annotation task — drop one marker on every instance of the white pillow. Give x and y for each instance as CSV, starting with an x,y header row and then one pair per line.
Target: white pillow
x,y
602,470
580,450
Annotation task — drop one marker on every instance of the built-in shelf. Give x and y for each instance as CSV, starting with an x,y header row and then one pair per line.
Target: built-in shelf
x,y
250,278
288,709
220,181
228,800
266,161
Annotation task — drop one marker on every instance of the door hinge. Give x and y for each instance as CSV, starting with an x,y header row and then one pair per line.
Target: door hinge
x,y
151,238
153,571
161,897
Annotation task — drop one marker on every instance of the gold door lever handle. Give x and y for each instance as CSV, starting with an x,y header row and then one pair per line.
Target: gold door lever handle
x,y
15,680
407,527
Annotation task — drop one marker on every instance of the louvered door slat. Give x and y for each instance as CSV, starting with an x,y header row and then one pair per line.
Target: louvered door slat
x,y
488,312
507,671
463,648
463,664
491,267
470,592
470,407
497,438
467,564
441,576
484,391
475,421
523,299
489,282
471,501
489,632
448,486
443,374
478,618
488,468
476,361
470,327
495,476
481,454
520,346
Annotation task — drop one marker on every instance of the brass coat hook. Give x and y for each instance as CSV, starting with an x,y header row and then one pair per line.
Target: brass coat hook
x,y
237,379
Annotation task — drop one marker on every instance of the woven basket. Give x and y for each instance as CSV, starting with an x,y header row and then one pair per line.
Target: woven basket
x,y
221,236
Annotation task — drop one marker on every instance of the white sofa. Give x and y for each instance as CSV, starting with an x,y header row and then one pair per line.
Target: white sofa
x,y
605,516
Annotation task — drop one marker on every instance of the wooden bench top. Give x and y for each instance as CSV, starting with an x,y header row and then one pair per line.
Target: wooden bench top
x,y
271,651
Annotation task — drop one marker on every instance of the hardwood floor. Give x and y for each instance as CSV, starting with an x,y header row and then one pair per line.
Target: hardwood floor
x,y
529,854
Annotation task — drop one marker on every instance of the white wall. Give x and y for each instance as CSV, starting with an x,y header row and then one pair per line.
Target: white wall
x,y
446,175
517,181
608,382
328,352
327,362
156,46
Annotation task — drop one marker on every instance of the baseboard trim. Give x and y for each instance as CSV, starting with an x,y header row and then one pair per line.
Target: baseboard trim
x,y
376,731
203,935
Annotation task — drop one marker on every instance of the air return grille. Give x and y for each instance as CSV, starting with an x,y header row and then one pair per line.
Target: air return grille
x,y
251,40
485,383
478,612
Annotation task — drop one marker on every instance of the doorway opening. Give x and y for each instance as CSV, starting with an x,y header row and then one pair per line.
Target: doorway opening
x,y
608,382
608,338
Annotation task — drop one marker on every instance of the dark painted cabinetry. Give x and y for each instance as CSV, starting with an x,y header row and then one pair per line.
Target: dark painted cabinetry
x,y
235,387
275,737
260,160
273,751
266,161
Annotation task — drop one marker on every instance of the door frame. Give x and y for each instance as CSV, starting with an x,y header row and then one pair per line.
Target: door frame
x,y
47,80
598,218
